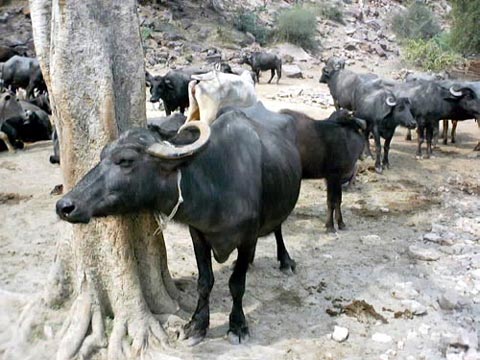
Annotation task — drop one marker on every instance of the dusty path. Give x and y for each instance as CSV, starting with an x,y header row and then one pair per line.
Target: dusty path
x,y
370,261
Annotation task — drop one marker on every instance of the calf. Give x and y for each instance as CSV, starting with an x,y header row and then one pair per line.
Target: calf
x,y
239,181
210,92
261,61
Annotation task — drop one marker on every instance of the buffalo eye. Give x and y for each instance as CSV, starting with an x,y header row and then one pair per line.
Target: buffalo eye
x,y
125,159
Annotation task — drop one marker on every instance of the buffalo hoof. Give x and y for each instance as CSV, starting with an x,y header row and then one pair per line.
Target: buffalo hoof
x,y
329,229
378,169
445,141
419,157
408,137
238,335
192,336
341,226
453,141
288,266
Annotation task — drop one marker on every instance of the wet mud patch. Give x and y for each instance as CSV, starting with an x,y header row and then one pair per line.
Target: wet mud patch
x,y
413,203
8,165
13,198
358,309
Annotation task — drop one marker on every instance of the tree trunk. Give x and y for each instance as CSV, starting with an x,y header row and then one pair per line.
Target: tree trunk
x,y
92,59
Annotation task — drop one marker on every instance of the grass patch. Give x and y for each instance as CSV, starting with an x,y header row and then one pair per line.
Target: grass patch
x,y
415,22
297,25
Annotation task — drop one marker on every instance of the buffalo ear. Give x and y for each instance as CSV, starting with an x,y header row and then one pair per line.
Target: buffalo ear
x,y
148,78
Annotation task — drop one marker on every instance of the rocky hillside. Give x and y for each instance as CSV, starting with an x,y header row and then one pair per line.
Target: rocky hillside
x,y
180,32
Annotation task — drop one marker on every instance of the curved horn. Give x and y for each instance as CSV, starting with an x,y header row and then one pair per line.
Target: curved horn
x,y
455,93
165,150
391,101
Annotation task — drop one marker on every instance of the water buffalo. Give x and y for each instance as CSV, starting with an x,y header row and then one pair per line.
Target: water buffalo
x,y
261,61
171,88
383,112
239,180
328,149
42,102
23,72
7,52
432,101
10,110
342,82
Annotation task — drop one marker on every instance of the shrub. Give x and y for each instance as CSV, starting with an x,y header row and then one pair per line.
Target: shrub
x,y
429,55
247,21
416,22
145,33
298,26
330,11
466,30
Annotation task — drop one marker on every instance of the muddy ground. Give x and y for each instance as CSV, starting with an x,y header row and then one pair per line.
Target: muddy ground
x,y
411,251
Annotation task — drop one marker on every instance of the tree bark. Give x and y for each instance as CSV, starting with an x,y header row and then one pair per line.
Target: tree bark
x,y
92,60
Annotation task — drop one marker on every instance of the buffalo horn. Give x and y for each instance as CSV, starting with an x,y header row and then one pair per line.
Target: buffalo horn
x,y
391,101
455,93
166,150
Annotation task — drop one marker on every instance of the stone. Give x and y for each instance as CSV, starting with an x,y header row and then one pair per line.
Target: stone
x,y
370,239
350,30
340,334
292,71
378,49
404,291
423,253
431,236
449,300
350,46
415,307
381,338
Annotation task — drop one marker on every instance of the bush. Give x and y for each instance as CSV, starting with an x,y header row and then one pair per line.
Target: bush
x,y
331,11
145,33
298,26
416,22
247,21
466,30
429,54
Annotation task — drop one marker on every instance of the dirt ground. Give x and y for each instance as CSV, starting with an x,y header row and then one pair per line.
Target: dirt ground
x,y
411,251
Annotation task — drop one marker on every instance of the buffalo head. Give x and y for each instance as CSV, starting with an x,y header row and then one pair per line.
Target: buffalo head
x,y
333,65
158,85
401,111
466,98
133,175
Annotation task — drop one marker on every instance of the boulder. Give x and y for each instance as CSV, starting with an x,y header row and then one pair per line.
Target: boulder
x,y
292,71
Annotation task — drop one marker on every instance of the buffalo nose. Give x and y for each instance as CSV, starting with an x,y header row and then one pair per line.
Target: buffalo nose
x,y
65,207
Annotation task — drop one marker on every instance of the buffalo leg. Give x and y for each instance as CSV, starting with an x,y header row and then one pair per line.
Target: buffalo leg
x,y
272,75
386,149
6,140
429,137
196,329
238,329
334,199
445,132
257,74
454,130
435,133
408,137
368,152
378,151
168,111
286,262
420,138
182,110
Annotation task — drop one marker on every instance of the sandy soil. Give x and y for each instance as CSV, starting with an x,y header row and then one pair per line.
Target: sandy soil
x,y
378,258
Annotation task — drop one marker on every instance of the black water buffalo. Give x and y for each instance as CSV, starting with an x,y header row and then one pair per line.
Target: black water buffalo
x,y
239,180
10,110
261,61
383,112
23,122
342,83
223,67
328,149
7,52
172,88
23,72
432,101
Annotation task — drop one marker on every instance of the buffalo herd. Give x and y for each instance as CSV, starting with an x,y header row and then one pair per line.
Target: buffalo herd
x,y
237,165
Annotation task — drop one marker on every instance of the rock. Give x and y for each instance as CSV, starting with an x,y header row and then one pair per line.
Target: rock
x,y
173,36
350,46
4,18
404,291
449,300
292,71
381,338
433,237
378,49
423,253
415,307
294,51
340,334
370,239
287,59
350,30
